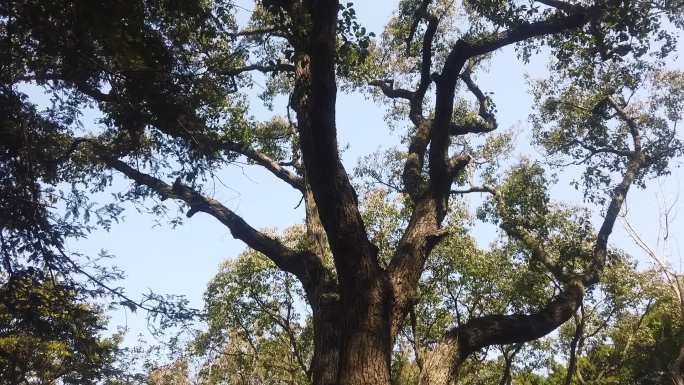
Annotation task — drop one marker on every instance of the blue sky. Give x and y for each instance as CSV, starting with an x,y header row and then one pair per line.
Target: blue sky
x,y
183,260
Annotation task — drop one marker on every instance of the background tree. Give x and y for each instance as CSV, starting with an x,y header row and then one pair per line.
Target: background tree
x,y
168,78
48,335
672,279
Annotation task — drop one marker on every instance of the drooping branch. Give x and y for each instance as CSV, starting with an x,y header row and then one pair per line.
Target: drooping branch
x,y
183,125
304,265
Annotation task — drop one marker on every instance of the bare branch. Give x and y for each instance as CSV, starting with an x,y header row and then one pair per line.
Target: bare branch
x,y
630,121
274,167
258,32
488,122
537,249
619,194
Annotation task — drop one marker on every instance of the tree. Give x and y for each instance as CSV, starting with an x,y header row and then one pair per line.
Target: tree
x,y
255,333
168,78
625,331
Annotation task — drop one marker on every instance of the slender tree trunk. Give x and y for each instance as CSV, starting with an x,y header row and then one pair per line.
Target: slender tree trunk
x,y
575,346
509,356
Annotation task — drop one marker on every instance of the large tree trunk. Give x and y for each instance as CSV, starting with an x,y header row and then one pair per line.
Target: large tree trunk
x,y
352,336
366,345
352,343
327,337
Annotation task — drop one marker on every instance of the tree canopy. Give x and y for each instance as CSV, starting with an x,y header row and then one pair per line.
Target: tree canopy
x,y
385,281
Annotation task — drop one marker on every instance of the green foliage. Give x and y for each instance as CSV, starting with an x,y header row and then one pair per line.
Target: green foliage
x,y
257,330
579,125
49,335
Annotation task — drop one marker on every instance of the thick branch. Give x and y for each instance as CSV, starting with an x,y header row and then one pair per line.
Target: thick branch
x,y
442,364
306,266
314,100
263,68
506,329
518,328
387,88
552,25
